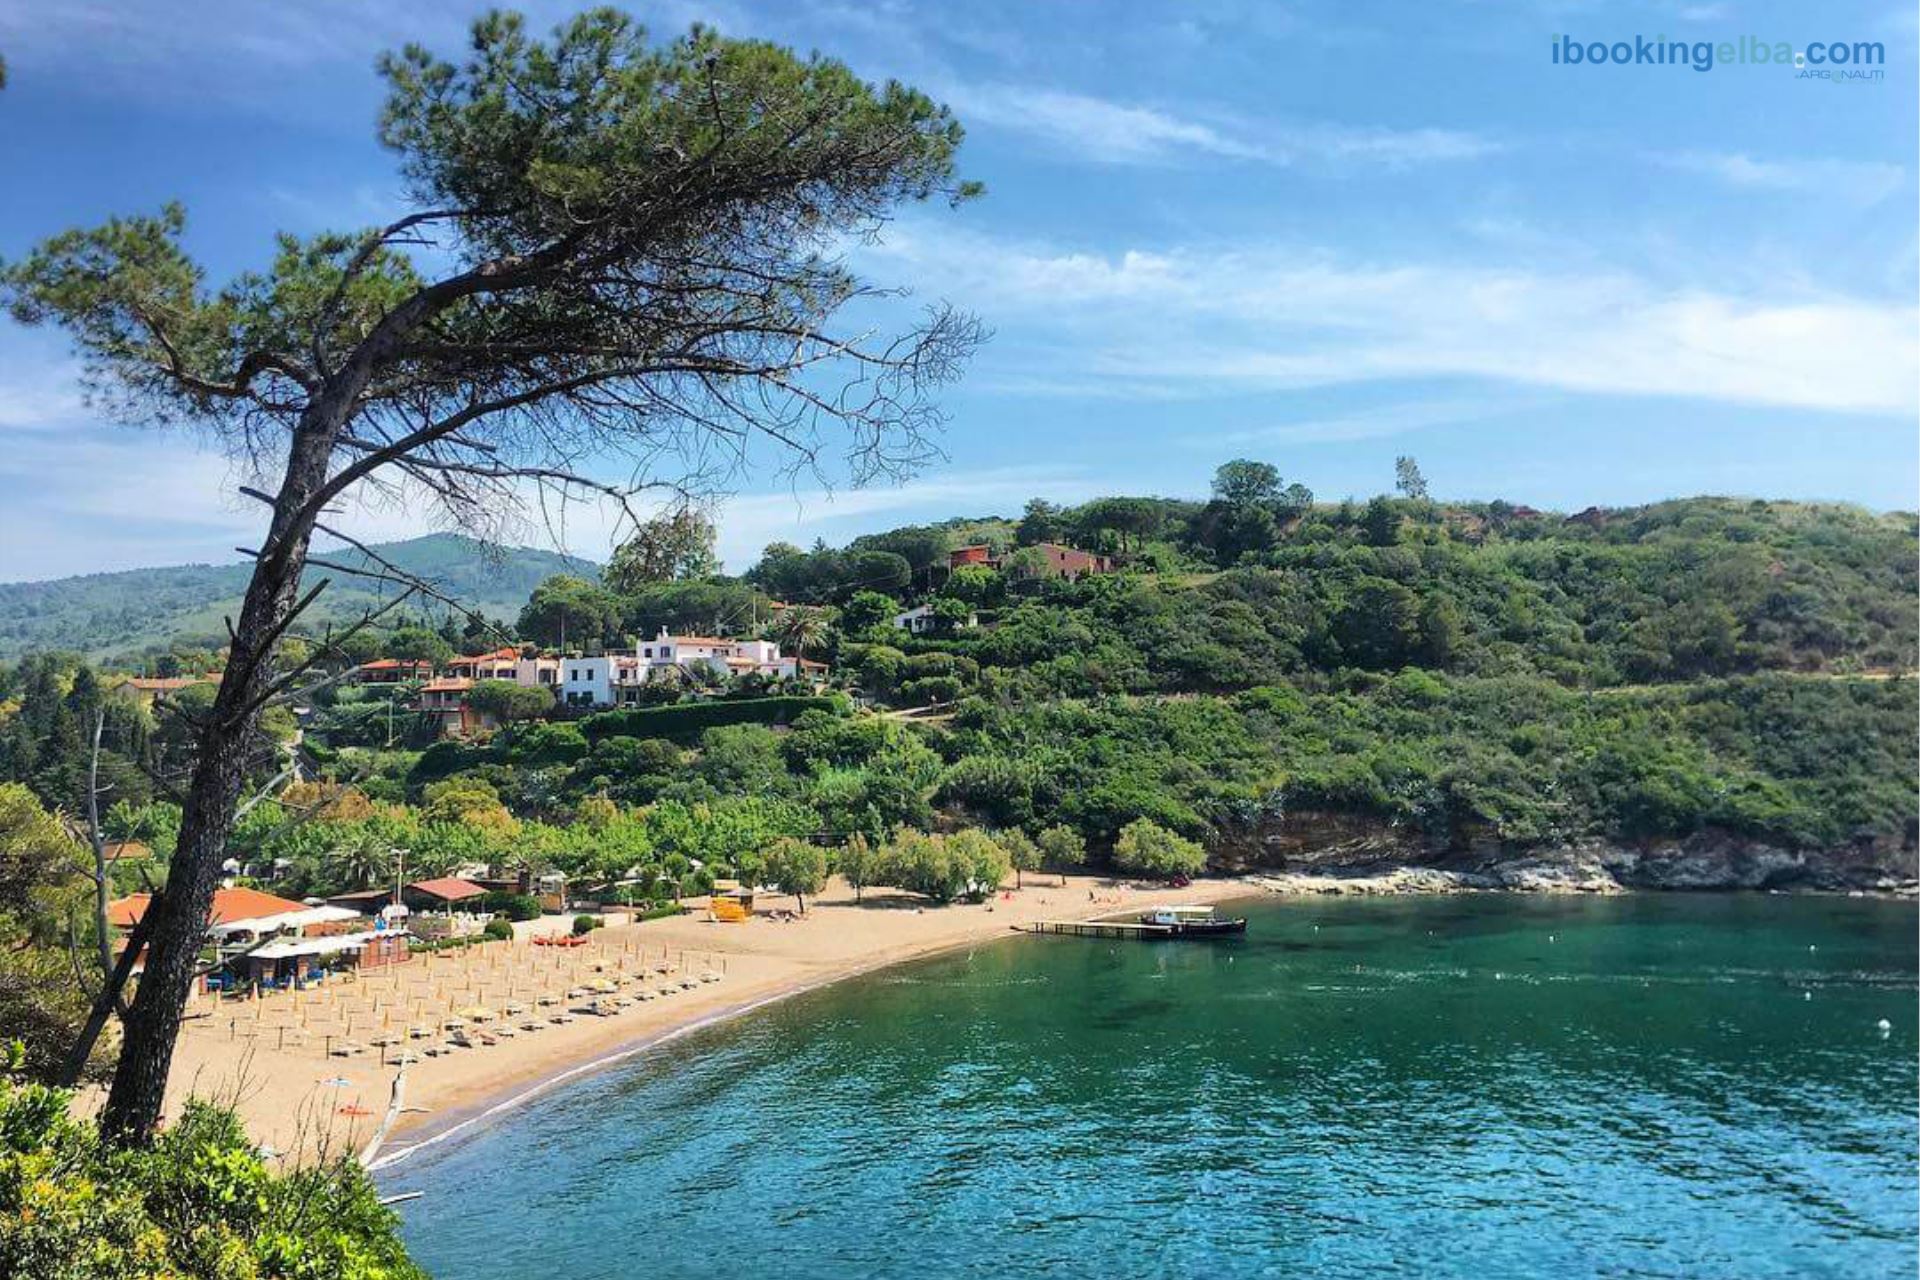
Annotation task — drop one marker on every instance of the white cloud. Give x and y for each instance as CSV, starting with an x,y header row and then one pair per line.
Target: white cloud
x,y
1259,317
1857,182
1371,424
1120,133
39,396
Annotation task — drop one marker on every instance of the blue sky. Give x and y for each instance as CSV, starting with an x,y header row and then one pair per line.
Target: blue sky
x,y
1317,233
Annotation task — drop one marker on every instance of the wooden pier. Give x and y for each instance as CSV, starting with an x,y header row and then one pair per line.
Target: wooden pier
x,y
1097,928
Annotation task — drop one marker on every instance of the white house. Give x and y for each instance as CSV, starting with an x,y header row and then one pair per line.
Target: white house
x,y
920,620
587,682
611,679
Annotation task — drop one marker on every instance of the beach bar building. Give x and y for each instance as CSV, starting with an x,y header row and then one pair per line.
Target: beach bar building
x,y
263,938
442,894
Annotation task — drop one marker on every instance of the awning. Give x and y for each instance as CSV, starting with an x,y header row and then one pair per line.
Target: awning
x,y
288,947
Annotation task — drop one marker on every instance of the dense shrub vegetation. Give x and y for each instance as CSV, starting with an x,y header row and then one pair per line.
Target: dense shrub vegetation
x,y
201,1202
1464,673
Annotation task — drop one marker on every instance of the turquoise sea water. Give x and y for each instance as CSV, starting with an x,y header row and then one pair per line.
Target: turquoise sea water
x,y
1435,1087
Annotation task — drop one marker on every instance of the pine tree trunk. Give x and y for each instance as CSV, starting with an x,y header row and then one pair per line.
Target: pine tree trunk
x,y
179,926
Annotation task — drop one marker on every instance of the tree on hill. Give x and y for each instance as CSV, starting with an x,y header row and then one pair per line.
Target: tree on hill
x,y
566,612
1380,522
507,701
669,548
1248,507
1129,520
640,237
418,644
867,609
1408,480
1040,522
1246,483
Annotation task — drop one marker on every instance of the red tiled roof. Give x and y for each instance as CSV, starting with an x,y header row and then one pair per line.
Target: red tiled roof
x,y
229,905
394,664
506,653
449,888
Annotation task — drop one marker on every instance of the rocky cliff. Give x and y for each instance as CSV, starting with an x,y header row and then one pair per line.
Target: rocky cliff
x,y
1370,855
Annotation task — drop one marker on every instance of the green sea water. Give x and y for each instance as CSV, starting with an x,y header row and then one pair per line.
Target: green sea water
x,y
1437,1087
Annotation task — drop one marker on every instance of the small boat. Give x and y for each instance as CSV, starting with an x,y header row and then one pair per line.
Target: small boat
x,y
1193,922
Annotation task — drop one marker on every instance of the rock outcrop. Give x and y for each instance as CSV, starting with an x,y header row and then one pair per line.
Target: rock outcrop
x,y
1322,852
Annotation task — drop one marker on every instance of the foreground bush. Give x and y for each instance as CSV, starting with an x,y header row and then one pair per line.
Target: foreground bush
x,y
199,1204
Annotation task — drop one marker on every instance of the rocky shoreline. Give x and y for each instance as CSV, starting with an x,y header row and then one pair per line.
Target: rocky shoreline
x,y
1318,853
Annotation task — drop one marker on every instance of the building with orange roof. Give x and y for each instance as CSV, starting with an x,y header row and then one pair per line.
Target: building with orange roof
x,y
394,670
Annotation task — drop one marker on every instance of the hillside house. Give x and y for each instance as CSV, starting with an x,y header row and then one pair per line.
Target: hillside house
x,y
394,670
920,620
616,679
445,699
1058,561
507,664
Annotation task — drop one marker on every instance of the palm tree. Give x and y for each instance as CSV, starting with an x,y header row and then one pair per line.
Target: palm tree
x,y
801,628
360,863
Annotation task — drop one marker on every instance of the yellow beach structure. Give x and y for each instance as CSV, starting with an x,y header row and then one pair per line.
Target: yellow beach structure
x,y
730,903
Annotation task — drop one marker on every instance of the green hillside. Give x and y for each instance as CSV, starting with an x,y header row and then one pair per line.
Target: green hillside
x,y
120,615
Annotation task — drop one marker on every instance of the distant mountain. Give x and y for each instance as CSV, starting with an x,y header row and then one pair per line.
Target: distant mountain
x,y
109,615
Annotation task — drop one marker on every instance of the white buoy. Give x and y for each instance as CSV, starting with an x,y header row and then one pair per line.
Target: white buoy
x,y
1549,937
1886,1028
1811,947
1807,994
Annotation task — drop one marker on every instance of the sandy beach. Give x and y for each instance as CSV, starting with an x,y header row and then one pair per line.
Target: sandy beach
x,y
275,1060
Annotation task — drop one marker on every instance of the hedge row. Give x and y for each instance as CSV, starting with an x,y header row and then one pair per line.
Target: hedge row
x,y
687,720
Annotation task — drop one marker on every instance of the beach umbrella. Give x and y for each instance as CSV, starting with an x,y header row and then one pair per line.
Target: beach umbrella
x,y
603,985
